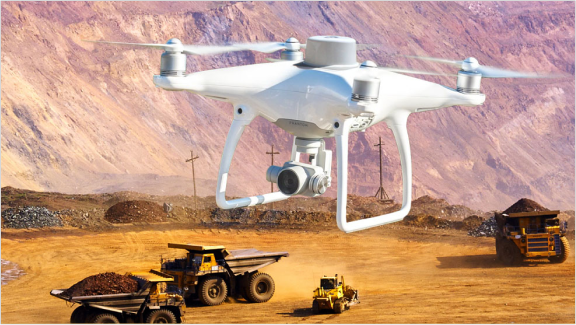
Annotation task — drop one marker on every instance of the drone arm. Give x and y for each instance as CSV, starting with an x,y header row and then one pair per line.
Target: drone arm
x,y
398,126
241,120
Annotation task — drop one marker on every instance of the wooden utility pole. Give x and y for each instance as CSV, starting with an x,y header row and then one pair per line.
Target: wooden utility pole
x,y
381,193
272,153
191,160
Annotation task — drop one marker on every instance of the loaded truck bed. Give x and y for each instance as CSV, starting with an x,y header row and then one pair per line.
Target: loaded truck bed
x,y
149,304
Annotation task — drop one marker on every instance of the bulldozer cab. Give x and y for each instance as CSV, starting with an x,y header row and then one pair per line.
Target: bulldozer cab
x,y
328,283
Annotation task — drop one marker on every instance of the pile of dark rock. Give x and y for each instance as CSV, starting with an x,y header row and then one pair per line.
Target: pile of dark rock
x,y
103,284
30,217
487,228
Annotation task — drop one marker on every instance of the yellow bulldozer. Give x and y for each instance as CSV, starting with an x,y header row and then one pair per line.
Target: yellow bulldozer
x,y
334,295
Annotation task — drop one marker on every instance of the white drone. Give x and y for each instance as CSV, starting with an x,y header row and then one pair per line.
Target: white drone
x,y
325,94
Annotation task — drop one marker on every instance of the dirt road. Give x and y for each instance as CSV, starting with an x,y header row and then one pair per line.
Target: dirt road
x,y
404,275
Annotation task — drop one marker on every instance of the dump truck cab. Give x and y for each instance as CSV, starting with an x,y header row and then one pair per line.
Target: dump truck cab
x,y
538,234
211,273
199,262
333,295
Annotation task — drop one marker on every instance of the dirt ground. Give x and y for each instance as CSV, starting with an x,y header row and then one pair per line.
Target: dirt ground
x,y
403,274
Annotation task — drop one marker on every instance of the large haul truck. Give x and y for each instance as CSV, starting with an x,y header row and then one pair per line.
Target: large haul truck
x,y
531,235
211,273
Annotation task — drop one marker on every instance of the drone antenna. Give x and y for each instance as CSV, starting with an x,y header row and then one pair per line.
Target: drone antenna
x,y
191,160
272,153
381,193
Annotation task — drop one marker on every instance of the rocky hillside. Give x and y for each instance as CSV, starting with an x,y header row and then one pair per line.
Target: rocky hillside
x,y
83,118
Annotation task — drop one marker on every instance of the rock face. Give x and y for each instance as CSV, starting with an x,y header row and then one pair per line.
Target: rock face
x,y
80,117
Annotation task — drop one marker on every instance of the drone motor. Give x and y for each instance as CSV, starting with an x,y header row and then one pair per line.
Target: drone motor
x,y
173,63
292,51
365,86
468,82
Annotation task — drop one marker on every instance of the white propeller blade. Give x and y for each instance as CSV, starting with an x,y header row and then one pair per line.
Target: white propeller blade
x,y
399,70
165,47
452,62
177,46
472,65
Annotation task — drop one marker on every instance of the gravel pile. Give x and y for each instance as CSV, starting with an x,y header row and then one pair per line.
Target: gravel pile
x,y
103,284
486,229
30,217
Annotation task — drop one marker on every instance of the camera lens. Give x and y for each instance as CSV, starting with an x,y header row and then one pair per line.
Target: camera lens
x,y
288,182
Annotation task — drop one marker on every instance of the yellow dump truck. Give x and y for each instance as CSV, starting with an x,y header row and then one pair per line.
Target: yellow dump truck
x,y
151,303
211,273
333,295
531,235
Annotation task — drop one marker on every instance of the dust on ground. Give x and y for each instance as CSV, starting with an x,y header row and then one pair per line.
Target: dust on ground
x,y
403,274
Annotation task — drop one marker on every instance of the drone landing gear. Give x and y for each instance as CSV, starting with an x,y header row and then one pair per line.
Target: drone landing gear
x,y
242,117
398,126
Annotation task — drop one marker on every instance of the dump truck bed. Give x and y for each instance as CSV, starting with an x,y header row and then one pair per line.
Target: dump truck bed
x,y
249,260
119,302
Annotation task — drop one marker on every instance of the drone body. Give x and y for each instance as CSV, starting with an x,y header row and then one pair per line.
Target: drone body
x,y
327,94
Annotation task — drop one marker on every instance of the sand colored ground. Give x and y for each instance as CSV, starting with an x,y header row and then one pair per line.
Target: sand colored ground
x,y
404,275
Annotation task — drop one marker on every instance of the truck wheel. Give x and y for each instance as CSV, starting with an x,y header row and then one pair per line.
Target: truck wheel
x,y
161,316
105,318
511,254
79,315
564,252
213,291
261,287
339,306
315,307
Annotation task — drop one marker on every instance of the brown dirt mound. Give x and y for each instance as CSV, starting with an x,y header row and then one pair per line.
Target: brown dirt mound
x,y
525,205
103,284
427,221
135,211
472,222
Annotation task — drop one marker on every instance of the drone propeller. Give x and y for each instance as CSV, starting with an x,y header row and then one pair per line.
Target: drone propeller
x,y
370,64
471,65
175,45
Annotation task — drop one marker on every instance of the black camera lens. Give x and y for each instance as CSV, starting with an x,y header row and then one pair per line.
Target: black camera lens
x,y
288,182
